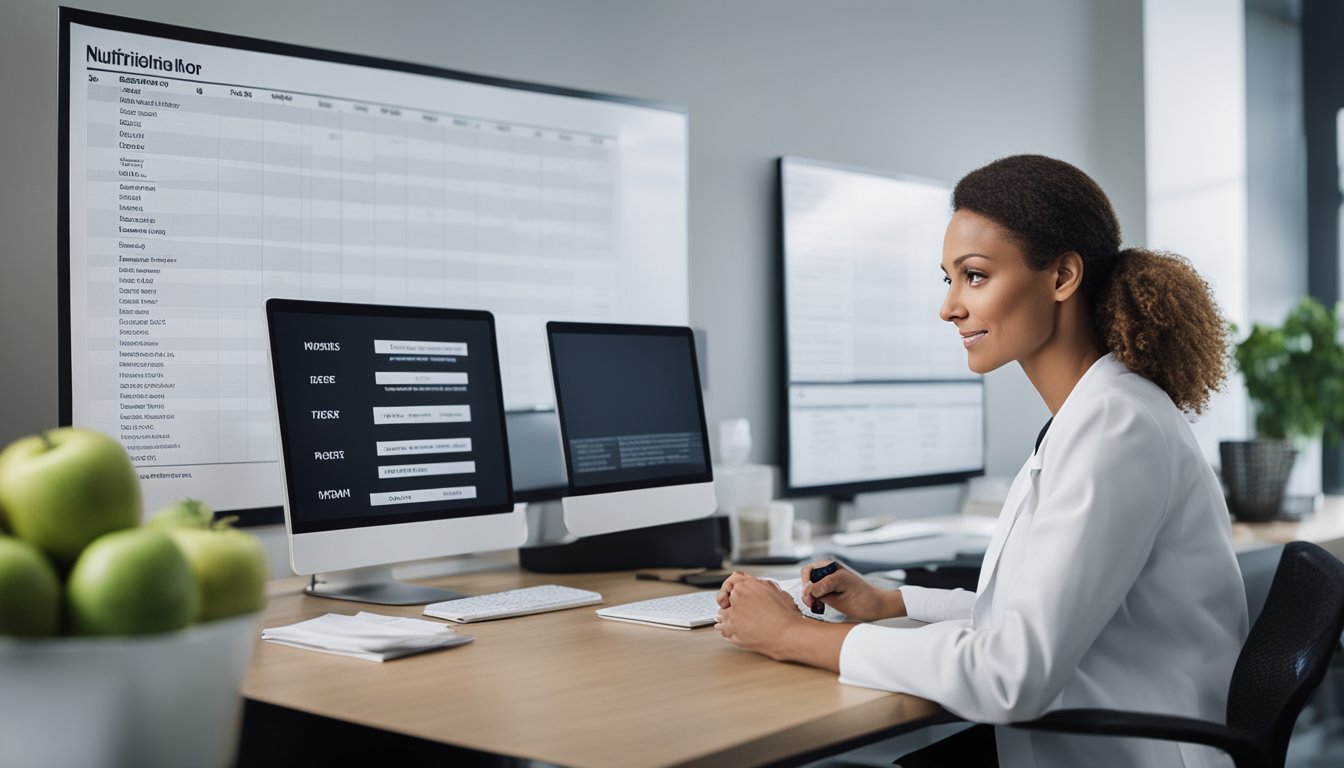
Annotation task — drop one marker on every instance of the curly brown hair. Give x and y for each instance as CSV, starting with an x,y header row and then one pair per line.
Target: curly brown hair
x,y
1152,310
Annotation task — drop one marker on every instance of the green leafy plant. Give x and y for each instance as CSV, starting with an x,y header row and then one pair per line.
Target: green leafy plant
x,y
1295,374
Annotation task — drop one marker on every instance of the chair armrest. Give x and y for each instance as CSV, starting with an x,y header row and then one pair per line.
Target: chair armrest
x,y
1244,750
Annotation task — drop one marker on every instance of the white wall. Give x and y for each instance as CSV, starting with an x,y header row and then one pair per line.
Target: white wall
x,y
1276,185
929,88
1195,96
1226,172
1276,162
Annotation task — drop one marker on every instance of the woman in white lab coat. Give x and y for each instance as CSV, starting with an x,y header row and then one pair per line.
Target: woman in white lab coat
x,y
1110,580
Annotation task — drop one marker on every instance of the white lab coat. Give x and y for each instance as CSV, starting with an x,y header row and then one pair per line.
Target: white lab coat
x,y
1110,582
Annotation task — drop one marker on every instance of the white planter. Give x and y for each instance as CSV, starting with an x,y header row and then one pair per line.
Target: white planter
x,y
170,700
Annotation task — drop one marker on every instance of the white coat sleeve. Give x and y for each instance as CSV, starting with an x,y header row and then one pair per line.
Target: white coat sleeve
x,y
928,604
1093,526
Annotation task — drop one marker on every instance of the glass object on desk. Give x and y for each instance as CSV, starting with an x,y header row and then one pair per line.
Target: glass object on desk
x,y
734,441
770,534
743,492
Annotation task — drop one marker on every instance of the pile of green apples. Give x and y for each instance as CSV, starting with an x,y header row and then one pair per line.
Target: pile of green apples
x,y
75,559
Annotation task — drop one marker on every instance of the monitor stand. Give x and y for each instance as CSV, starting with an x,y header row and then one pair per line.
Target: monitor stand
x,y
375,585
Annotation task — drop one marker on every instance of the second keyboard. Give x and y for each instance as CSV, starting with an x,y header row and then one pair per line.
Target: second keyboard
x,y
514,602
688,611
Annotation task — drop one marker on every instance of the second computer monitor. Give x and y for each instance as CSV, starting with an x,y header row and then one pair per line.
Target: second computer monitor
x,y
632,421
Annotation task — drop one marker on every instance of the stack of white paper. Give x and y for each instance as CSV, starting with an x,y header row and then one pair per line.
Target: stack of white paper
x,y
369,636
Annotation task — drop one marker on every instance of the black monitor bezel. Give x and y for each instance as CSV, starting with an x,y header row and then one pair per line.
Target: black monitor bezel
x,y
276,306
269,515
847,490
554,328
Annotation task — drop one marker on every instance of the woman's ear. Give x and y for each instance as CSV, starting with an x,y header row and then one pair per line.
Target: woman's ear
x,y
1068,275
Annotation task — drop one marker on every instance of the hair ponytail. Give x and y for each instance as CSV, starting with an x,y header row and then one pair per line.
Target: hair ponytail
x,y
1158,317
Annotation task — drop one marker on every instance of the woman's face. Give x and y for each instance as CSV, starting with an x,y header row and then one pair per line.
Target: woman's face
x,y
1003,309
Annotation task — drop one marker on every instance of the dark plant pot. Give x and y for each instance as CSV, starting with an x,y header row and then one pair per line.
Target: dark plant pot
x,y
1256,474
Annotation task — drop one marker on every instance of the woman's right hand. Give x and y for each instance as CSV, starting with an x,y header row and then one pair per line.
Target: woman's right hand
x,y
848,593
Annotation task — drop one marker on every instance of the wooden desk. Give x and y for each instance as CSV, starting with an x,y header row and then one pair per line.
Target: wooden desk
x,y
570,688
1325,527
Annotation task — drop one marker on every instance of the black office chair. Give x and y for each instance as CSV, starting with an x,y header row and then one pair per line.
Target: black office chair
x,y
1283,661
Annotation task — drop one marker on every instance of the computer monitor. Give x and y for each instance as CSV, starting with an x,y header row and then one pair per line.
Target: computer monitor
x,y
201,173
392,442
632,420
875,393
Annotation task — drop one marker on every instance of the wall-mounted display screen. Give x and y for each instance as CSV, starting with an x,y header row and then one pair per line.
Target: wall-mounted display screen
x,y
202,174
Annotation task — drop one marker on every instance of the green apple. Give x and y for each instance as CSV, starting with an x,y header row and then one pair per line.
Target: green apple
x,y
131,582
183,513
30,593
230,568
63,488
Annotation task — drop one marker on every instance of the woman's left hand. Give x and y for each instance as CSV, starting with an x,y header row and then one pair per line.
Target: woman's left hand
x,y
758,615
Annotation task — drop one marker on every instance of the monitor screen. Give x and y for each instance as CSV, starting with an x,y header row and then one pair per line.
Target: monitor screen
x,y
631,413
632,421
393,443
876,391
387,414
202,173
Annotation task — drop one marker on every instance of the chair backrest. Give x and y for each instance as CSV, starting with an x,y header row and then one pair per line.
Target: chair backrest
x,y
1289,648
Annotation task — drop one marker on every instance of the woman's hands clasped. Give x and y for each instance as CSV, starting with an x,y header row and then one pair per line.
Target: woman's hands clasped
x,y
755,614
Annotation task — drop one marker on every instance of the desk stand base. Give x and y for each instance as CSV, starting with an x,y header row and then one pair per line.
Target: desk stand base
x,y
690,544
375,585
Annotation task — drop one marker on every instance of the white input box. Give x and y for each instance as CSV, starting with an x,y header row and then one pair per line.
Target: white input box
x,y
419,377
422,495
409,447
395,347
421,414
425,470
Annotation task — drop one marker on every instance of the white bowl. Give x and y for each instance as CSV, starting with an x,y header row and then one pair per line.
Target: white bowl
x,y
170,700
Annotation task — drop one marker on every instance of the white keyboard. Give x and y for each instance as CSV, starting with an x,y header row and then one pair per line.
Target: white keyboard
x,y
698,609
688,611
514,602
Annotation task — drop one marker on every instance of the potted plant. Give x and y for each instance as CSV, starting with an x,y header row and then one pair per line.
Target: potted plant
x,y
1294,375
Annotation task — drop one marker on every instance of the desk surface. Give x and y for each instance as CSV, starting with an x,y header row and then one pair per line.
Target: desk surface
x,y
569,688
1324,526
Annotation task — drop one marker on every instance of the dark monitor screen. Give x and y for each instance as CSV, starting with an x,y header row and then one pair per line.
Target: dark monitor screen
x,y
387,414
631,410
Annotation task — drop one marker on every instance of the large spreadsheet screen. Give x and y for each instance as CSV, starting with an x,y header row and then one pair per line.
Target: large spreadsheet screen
x,y
877,393
204,173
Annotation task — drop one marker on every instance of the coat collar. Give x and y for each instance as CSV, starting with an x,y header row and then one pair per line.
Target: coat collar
x,y
1105,369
